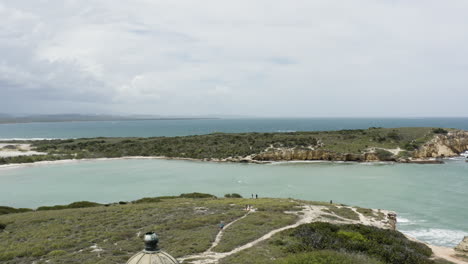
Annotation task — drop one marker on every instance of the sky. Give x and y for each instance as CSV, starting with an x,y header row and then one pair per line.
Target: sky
x,y
299,58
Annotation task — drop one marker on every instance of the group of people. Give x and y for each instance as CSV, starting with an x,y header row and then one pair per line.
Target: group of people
x,y
256,196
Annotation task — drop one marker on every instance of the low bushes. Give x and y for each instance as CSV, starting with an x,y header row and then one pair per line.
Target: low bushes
x,y
328,257
196,195
82,204
386,245
11,210
384,155
232,195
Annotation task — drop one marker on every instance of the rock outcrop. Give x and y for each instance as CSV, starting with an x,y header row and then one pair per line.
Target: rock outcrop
x,y
289,154
463,246
442,145
449,145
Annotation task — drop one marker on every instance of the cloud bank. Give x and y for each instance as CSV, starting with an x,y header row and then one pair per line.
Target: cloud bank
x,y
258,58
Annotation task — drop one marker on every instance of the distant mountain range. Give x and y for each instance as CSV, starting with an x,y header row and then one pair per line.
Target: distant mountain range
x,y
8,118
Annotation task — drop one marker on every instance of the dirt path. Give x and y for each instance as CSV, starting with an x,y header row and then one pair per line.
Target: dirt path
x,y
221,232
307,215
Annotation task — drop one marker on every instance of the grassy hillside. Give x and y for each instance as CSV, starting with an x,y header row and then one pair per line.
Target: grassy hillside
x,y
112,233
222,145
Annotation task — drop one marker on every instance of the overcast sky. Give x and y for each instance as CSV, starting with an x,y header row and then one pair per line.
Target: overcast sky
x,y
310,58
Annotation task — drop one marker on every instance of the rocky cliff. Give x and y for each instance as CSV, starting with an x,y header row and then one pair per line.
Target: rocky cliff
x,y
288,154
441,145
463,246
449,145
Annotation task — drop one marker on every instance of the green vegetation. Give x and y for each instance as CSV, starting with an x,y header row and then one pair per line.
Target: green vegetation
x,y
224,145
232,195
439,131
111,233
384,155
320,243
343,212
328,257
83,204
252,227
385,245
11,210
185,226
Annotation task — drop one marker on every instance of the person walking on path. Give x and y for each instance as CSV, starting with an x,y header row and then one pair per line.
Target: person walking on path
x,y
256,196
221,225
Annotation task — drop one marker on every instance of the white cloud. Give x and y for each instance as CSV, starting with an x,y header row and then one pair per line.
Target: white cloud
x,y
299,58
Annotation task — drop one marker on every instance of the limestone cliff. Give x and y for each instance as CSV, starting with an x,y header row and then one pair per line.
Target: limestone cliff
x,y
441,145
289,154
463,246
449,145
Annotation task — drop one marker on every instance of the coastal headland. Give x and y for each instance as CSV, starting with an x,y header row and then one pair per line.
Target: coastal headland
x,y
406,145
260,231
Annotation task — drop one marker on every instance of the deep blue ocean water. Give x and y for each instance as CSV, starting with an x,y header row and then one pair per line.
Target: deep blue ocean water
x,y
153,128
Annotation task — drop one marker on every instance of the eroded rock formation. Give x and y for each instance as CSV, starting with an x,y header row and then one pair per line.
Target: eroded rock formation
x,y
463,246
449,145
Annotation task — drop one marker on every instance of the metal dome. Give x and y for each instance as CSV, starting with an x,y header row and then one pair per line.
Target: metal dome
x,y
152,254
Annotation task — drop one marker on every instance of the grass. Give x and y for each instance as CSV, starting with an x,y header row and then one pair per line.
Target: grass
x,y
65,236
252,227
224,145
343,212
189,225
185,226
371,213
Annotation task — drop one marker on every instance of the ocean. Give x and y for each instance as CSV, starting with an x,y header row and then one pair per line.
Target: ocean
x,y
430,199
155,128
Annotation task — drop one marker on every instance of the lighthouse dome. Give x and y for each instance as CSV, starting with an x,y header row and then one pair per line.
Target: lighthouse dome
x,y
152,254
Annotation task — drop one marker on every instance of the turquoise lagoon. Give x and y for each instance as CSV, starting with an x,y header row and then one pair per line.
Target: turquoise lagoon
x,y
431,200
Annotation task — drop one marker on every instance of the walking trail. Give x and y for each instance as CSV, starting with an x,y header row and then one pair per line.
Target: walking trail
x,y
308,214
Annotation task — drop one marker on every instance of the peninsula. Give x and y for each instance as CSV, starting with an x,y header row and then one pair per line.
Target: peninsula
x,y
406,145
256,231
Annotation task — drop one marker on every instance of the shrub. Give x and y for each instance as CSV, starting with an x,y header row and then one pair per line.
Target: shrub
x,y
327,257
82,204
2,226
386,245
196,195
11,210
148,200
393,135
439,131
232,195
384,155
410,146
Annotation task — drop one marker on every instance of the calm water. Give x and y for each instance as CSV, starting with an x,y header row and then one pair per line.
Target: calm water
x,y
192,127
431,200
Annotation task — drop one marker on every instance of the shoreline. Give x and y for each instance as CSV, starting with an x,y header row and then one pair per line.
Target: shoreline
x,y
227,160
440,252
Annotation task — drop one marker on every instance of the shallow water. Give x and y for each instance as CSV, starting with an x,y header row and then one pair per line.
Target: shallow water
x,y
431,200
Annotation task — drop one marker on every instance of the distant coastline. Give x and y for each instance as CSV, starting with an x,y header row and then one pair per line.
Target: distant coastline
x,y
45,120
402,145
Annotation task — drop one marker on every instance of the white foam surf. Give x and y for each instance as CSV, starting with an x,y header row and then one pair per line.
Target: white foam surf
x,y
437,236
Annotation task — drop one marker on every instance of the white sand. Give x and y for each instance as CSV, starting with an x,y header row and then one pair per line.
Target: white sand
x,y
20,150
